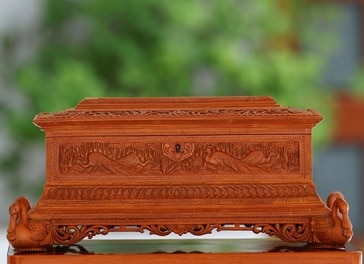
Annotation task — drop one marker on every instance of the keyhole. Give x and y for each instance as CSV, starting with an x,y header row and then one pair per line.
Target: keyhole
x,y
178,148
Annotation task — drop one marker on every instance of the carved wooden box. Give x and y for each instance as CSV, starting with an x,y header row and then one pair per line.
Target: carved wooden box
x,y
178,165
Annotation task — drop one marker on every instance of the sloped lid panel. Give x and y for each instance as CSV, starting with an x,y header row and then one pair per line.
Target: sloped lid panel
x,y
248,111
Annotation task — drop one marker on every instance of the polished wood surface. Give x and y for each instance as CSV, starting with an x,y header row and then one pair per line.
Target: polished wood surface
x,y
178,165
175,251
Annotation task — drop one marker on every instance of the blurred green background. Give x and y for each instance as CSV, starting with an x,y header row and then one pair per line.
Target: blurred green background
x,y
297,51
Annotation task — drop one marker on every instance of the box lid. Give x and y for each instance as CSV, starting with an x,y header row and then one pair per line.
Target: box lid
x,y
248,112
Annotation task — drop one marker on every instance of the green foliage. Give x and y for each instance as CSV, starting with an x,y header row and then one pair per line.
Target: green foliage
x,y
152,48
167,48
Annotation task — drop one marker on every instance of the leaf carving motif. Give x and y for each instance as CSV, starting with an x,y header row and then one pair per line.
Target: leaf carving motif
x,y
179,192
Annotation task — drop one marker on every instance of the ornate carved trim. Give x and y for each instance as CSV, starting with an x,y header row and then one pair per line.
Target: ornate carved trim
x,y
118,193
292,232
71,234
164,230
189,113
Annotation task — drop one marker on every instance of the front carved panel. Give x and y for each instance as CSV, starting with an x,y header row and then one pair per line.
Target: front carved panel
x,y
179,157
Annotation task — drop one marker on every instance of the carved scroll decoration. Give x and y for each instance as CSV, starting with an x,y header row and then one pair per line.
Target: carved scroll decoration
x,y
71,234
94,158
286,232
164,230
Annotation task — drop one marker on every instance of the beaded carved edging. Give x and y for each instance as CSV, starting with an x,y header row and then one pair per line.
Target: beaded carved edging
x,y
178,192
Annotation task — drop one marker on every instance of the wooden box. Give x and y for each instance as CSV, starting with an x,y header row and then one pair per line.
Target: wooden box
x,y
178,165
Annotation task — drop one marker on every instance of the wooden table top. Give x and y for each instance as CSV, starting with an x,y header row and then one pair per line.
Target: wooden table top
x,y
187,251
